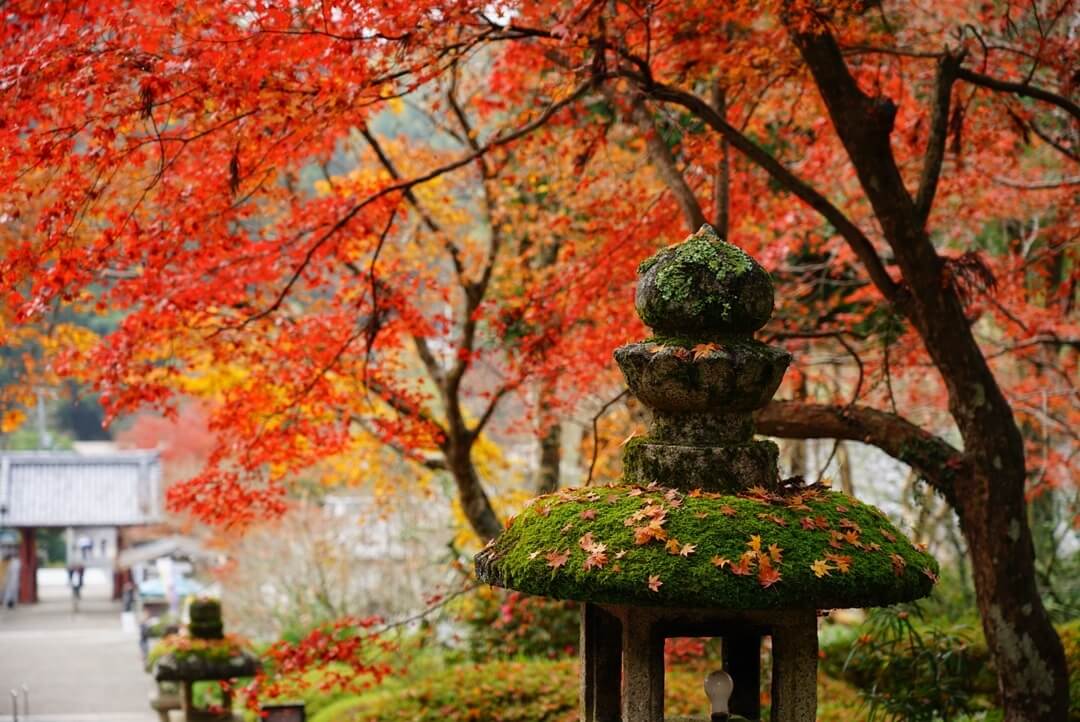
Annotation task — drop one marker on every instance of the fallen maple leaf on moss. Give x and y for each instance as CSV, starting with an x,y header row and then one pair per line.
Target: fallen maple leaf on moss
x,y
687,550
742,568
654,583
596,560
768,575
556,559
702,350
820,567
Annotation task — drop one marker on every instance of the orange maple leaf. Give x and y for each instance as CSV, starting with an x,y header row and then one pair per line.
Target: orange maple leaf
x,y
595,560
655,583
687,550
588,514
702,350
820,567
743,568
842,561
556,559
767,576
720,562
755,542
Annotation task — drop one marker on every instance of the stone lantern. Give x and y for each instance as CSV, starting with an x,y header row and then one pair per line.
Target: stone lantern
x,y
203,656
700,537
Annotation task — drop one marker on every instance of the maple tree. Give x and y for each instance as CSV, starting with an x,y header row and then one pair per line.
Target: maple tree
x,y
219,173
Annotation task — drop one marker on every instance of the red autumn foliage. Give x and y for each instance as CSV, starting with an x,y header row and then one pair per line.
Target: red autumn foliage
x,y
908,172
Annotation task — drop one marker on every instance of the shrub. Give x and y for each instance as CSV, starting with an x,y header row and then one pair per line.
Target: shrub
x,y
183,648
907,668
531,691
504,624
498,691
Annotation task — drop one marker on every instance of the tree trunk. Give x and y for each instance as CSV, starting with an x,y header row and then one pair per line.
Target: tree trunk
x,y
547,475
1028,656
475,504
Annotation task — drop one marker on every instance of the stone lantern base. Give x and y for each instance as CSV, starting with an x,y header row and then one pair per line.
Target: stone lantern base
x,y
622,659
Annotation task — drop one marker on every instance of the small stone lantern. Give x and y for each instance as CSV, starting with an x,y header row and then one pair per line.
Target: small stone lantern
x,y
700,537
205,655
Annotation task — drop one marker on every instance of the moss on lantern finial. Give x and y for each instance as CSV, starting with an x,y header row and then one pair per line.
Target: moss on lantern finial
x,y
704,287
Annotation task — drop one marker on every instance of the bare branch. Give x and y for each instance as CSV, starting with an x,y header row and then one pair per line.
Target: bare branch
x,y
490,410
1024,89
851,233
1037,185
664,161
595,432
939,132
935,459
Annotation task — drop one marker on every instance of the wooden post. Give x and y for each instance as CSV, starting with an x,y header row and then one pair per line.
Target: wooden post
x,y
119,576
643,668
601,665
742,660
28,593
794,677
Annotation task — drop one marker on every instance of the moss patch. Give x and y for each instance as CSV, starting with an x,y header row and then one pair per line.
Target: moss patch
x,y
594,544
704,284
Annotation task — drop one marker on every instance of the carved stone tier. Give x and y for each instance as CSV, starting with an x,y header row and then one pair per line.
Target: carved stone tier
x,y
703,384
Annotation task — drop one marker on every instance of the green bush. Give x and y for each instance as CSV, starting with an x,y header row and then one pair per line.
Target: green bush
x,y
504,625
906,668
530,691
498,691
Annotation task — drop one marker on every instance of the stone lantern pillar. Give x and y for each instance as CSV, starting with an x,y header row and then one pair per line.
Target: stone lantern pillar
x,y
700,537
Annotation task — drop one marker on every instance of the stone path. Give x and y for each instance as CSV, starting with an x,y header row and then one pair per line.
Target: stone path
x,y
77,667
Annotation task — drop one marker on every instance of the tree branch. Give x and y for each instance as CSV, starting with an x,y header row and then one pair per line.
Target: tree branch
x,y
936,460
485,417
851,233
1024,89
664,162
939,132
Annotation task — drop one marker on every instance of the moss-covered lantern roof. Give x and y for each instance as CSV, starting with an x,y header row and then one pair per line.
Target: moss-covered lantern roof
x,y
807,548
700,518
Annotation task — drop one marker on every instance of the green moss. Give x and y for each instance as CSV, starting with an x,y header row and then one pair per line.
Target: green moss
x,y
185,649
704,249
718,526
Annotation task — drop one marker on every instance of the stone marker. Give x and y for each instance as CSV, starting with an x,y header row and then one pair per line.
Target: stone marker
x,y
700,537
205,655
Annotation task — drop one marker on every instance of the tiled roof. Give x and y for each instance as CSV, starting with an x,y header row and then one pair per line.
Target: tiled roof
x,y
60,489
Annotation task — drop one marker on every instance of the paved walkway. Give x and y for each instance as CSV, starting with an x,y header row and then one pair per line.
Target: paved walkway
x,y
77,667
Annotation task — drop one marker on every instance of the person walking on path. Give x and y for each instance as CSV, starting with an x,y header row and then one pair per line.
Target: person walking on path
x,y
75,579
